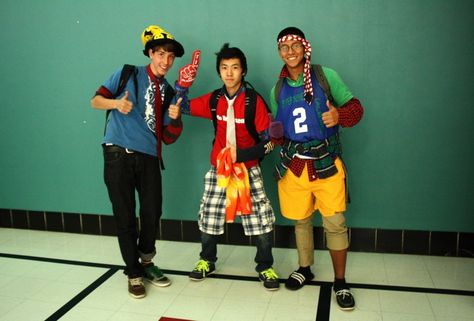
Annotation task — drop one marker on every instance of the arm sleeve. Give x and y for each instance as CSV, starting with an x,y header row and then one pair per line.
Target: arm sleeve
x,y
350,113
257,151
172,131
264,146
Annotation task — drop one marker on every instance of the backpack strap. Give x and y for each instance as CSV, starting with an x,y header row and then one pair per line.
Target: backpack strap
x,y
323,82
278,86
127,72
216,94
169,94
250,111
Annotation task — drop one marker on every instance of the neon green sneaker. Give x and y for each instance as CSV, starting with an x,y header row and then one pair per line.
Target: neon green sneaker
x,y
269,279
203,268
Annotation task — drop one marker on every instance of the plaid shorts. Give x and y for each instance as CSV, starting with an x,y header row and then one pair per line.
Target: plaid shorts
x,y
211,216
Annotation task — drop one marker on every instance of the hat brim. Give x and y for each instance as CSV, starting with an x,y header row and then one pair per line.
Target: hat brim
x,y
178,48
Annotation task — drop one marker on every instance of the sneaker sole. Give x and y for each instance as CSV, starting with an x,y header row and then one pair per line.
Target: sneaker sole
x,y
346,309
161,285
141,296
196,279
271,289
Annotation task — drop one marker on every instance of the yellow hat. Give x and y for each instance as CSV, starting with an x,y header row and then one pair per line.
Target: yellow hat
x,y
155,35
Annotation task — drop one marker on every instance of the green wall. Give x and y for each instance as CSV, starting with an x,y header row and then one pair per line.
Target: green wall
x,y
410,62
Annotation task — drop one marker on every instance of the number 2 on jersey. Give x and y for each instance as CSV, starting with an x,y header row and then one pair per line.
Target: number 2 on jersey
x,y
300,126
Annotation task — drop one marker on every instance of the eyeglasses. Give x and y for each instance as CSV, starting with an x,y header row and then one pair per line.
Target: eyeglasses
x,y
297,46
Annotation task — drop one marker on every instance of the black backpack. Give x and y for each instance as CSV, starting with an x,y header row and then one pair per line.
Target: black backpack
x,y
250,110
320,76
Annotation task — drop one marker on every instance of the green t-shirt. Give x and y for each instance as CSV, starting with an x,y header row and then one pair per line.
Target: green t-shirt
x,y
339,90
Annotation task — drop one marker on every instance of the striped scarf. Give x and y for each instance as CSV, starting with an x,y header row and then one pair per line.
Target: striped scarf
x,y
308,86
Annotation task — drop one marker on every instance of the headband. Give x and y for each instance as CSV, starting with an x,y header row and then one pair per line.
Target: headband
x,y
308,86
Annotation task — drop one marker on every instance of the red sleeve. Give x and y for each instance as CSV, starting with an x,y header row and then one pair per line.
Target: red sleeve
x,y
104,92
199,106
350,113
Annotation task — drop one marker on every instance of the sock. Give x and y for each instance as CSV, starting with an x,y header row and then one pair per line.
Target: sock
x,y
340,284
306,271
146,263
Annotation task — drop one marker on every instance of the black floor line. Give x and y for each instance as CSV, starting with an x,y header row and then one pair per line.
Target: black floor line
x,y
78,298
324,302
250,278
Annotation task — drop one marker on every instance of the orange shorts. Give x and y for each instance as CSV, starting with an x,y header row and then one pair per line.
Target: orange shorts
x,y
299,197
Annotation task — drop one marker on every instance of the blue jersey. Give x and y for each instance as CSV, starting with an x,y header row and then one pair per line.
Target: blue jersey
x,y
136,130
302,122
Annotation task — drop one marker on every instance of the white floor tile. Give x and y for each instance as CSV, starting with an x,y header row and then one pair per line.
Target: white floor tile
x,y
249,291
308,296
82,314
235,309
405,302
355,315
8,303
30,310
452,306
285,312
192,307
209,288
398,316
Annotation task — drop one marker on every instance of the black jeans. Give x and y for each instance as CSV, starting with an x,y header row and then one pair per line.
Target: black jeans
x,y
123,174
263,258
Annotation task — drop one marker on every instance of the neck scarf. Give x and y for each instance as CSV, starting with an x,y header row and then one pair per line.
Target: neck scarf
x,y
157,109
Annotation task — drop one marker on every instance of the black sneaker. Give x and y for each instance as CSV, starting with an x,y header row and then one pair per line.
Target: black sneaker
x,y
296,280
345,299
269,279
203,268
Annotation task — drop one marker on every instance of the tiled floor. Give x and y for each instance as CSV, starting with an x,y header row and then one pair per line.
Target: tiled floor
x,y
48,275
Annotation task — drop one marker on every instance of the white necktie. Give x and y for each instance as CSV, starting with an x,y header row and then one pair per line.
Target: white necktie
x,y
230,122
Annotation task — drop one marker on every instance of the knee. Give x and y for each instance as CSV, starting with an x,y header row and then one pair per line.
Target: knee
x,y
336,232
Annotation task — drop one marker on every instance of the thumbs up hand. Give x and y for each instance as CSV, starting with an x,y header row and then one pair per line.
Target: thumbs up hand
x,y
331,117
174,111
123,104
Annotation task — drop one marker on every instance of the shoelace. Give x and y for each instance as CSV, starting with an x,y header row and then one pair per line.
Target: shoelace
x,y
270,274
136,281
343,292
202,266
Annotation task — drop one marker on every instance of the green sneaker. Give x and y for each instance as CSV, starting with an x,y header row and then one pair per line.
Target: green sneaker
x,y
203,268
155,276
269,279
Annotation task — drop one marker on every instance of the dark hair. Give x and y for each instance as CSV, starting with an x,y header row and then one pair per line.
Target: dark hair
x,y
291,31
167,45
227,52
